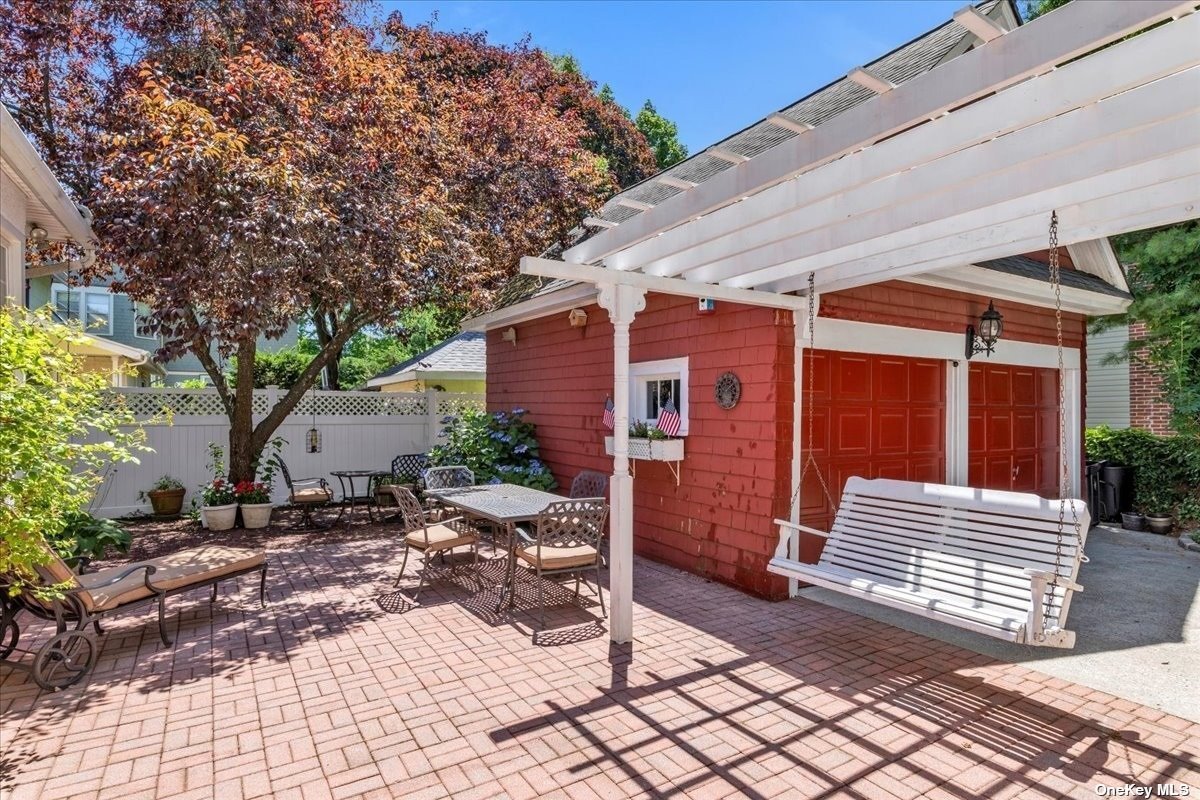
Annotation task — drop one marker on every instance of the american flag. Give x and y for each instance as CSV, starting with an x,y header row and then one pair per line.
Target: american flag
x,y
668,419
610,414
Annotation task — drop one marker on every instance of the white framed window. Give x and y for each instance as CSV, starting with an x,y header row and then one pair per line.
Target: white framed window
x,y
91,305
141,313
652,384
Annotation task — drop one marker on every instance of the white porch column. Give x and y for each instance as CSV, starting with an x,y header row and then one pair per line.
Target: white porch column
x,y
622,303
118,379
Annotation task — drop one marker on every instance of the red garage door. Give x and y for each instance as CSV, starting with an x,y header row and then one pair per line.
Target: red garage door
x,y
874,416
1012,440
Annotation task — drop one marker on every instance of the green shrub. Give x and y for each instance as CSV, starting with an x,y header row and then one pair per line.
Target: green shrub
x,y
499,448
91,537
1168,468
60,430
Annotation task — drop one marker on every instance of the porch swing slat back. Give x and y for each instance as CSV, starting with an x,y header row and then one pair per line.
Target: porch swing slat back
x,y
981,559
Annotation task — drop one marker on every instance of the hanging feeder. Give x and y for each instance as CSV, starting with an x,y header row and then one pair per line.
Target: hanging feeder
x,y
312,439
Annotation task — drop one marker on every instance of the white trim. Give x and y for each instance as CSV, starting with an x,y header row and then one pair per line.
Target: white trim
x,y
428,375
1021,289
531,265
563,299
869,80
985,28
1096,257
799,336
664,369
958,415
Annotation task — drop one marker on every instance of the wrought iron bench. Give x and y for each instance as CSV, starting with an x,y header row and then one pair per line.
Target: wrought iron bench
x,y
90,597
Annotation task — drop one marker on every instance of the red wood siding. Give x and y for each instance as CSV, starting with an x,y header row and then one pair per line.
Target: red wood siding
x,y
734,481
911,305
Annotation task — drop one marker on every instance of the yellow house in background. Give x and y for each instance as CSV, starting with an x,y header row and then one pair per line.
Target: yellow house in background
x,y
458,364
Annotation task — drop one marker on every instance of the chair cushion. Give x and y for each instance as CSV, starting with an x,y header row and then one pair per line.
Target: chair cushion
x,y
172,573
559,557
313,495
440,537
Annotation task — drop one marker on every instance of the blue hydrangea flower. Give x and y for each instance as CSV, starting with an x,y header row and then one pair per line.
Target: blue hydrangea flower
x,y
520,449
519,411
495,480
447,420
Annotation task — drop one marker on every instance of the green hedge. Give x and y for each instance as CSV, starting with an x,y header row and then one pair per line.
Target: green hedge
x,y
1168,468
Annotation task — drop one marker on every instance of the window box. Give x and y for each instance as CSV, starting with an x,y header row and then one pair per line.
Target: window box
x,y
650,449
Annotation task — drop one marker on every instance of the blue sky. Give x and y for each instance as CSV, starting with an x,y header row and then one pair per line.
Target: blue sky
x,y
712,67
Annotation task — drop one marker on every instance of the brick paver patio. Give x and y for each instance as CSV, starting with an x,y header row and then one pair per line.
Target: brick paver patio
x,y
340,689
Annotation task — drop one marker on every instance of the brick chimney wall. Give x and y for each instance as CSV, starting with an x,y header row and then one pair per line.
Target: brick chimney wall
x,y
1147,409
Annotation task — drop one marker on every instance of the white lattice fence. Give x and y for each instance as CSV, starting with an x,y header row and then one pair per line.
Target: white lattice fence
x,y
359,430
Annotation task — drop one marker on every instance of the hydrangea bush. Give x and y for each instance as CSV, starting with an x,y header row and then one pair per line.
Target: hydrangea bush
x,y
499,447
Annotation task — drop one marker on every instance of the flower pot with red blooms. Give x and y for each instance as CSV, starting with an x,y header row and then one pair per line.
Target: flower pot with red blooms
x,y
255,500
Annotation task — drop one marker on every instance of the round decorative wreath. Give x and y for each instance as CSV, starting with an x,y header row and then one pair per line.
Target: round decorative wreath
x,y
728,390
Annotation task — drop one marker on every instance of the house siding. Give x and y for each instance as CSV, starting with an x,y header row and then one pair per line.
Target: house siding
x,y
736,475
1147,409
1108,384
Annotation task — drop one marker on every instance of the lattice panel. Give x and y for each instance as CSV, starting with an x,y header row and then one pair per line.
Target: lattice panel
x,y
451,405
207,403
180,402
367,404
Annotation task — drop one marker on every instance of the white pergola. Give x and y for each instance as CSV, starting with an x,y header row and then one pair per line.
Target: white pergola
x,y
959,165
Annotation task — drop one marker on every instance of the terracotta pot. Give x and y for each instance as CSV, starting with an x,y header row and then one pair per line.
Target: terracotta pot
x,y
219,518
1132,522
166,502
1160,524
256,515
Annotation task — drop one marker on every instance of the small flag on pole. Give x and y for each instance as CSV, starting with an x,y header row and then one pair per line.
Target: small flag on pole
x,y
610,414
668,419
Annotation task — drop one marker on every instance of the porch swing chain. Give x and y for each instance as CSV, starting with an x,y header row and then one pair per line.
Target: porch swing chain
x,y
811,461
1064,478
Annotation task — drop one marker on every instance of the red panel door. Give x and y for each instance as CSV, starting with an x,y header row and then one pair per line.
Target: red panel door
x,y
874,416
1012,438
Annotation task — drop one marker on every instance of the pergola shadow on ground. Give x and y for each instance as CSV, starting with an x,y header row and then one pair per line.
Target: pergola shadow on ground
x,y
331,690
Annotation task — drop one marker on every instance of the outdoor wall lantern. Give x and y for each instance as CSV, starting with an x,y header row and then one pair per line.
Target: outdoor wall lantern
x,y
991,325
38,235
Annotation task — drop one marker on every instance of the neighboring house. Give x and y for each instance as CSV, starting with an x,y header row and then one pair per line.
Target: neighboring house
x,y
34,207
894,393
116,319
458,364
1123,392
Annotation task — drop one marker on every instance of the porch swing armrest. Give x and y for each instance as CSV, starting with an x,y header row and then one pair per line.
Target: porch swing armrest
x,y
796,526
785,534
1045,577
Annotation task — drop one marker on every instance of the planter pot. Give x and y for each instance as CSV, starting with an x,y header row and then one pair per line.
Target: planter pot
x,y
256,515
219,518
1132,522
1160,524
166,502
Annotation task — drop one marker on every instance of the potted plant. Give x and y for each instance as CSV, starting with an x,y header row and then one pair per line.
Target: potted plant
x,y
254,497
1133,520
1158,507
648,443
166,497
218,503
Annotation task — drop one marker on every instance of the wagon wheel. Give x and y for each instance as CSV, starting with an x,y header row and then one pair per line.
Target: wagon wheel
x,y
10,634
64,660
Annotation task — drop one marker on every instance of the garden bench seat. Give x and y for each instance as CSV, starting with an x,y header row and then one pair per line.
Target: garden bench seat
x,y
974,558
173,573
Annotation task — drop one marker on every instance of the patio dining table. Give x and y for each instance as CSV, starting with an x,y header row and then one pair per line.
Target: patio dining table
x,y
506,505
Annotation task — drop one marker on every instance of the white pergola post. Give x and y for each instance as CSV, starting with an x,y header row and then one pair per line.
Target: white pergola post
x,y
622,303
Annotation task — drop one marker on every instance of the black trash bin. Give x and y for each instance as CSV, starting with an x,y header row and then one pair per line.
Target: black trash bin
x,y
1095,495
1116,489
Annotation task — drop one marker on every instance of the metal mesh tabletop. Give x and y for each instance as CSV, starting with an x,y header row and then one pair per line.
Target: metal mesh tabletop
x,y
502,502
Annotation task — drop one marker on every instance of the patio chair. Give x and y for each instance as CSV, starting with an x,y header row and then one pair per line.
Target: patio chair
x,y
450,477
306,494
430,537
407,470
566,540
86,599
589,483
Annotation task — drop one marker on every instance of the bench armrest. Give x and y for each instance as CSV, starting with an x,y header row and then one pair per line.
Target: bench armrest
x,y
785,534
1047,577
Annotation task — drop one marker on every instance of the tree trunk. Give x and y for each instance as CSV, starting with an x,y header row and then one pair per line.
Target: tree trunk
x,y
327,330
243,452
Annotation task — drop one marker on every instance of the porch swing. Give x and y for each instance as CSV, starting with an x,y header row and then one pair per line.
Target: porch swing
x,y
999,563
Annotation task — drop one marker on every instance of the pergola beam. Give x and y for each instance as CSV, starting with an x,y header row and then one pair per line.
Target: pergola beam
x,y
787,123
678,183
1033,49
549,268
727,155
979,24
596,222
869,80
634,204
796,206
